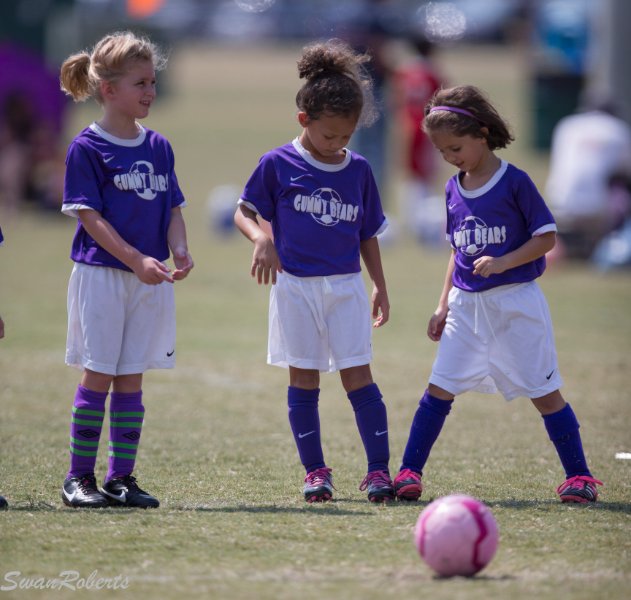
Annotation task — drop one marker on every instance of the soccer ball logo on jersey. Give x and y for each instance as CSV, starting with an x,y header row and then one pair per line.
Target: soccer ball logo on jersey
x,y
474,235
326,207
142,180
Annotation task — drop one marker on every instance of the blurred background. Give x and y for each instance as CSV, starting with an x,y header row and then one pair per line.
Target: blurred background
x,y
541,61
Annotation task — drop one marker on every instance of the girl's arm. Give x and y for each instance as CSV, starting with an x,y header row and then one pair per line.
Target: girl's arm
x,y
369,250
533,249
438,319
178,244
265,261
148,269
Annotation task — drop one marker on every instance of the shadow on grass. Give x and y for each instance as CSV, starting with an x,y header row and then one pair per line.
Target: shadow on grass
x,y
29,506
476,578
330,508
622,507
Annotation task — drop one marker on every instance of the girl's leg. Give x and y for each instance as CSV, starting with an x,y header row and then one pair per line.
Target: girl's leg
x,y
427,424
563,429
372,423
126,418
370,415
304,419
79,489
428,421
88,411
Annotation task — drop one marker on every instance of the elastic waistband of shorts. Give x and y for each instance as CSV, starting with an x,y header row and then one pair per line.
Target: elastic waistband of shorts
x,y
496,291
317,278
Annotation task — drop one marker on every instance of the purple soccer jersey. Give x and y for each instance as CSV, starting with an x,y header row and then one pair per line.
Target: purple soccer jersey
x,y
494,220
319,212
132,183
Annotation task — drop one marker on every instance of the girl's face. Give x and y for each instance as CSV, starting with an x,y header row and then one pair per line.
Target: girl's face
x,y
467,153
130,97
326,137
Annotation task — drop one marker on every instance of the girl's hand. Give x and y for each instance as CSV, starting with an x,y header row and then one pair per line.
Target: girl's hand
x,y
265,261
437,324
151,271
380,307
488,265
183,263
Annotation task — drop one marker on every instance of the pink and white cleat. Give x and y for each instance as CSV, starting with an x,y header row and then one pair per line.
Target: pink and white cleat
x,y
580,488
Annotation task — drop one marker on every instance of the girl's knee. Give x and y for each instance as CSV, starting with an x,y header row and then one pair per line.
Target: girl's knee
x,y
355,378
550,403
439,392
306,379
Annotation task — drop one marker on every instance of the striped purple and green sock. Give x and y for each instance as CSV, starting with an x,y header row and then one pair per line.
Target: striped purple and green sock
x,y
88,411
126,416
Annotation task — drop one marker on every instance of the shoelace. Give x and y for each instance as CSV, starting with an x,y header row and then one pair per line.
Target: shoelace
x,y
130,482
87,483
380,478
319,476
408,474
584,478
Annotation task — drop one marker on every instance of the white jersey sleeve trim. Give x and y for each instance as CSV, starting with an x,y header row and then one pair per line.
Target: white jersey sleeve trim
x,y
72,210
383,227
242,202
545,229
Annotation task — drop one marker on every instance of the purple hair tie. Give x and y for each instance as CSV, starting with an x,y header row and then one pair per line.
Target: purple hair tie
x,y
453,109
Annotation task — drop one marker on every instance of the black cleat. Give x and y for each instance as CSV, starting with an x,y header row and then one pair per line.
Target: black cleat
x,y
379,486
124,491
318,485
3,503
81,492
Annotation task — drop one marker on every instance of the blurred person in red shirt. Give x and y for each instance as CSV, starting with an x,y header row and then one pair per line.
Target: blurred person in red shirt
x,y
415,81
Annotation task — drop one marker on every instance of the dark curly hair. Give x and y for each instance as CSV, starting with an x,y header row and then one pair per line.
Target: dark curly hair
x,y
336,83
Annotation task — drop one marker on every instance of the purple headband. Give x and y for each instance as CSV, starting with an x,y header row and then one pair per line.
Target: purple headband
x,y
453,109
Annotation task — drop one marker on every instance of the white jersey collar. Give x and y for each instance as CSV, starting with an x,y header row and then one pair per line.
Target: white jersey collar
x,y
120,141
320,165
487,186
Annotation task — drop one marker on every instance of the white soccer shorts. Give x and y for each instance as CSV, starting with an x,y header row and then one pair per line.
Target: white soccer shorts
x,y
320,323
118,325
501,339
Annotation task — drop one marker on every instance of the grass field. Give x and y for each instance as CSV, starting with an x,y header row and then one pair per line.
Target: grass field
x,y
217,449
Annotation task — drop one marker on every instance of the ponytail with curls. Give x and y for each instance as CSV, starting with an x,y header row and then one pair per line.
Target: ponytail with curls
x,y
336,83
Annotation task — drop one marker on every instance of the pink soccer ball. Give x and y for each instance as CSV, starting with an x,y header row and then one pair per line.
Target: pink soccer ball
x,y
456,535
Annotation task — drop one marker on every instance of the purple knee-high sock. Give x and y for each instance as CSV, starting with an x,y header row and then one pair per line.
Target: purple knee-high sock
x,y
562,427
126,416
426,425
88,411
372,422
305,425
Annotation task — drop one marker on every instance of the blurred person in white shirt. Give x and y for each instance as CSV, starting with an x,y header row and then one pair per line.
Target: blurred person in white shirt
x,y
589,175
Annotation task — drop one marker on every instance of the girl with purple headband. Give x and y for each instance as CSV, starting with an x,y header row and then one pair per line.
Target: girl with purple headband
x,y
492,320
